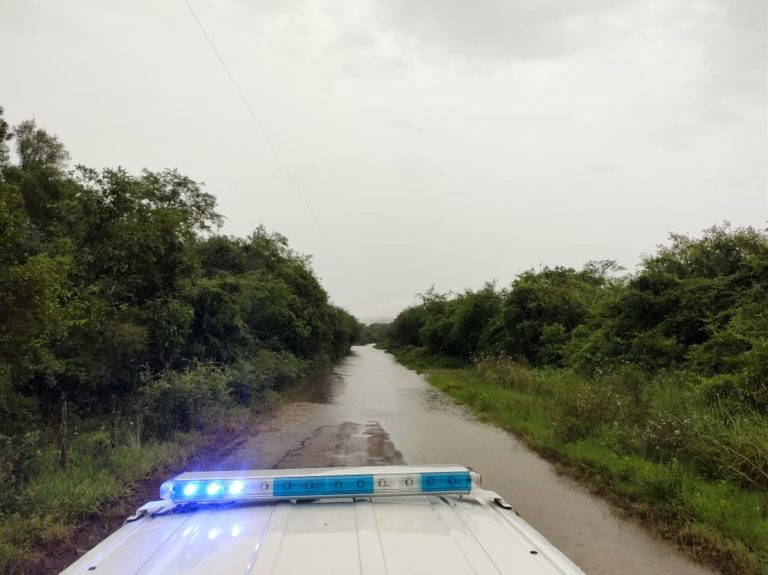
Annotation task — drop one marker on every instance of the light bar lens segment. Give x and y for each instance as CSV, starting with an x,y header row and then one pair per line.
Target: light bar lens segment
x,y
431,482
190,489
236,487
205,487
323,486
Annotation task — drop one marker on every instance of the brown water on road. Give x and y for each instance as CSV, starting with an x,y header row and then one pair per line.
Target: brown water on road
x,y
372,411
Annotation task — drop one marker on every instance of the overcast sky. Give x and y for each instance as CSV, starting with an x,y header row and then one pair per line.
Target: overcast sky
x,y
437,141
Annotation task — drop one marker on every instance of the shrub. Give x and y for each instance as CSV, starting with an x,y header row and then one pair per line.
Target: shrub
x,y
279,369
504,371
184,401
581,408
756,375
633,384
96,445
674,419
666,434
250,381
725,387
19,439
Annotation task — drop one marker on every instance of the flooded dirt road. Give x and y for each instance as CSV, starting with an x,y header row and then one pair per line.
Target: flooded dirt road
x,y
372,411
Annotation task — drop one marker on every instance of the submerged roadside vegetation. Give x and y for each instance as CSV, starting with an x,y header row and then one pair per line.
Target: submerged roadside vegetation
x,y
651,387
131,334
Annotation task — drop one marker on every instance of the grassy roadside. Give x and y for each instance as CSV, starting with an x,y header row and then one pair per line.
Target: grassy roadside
x,y
115,462
66,510
715,521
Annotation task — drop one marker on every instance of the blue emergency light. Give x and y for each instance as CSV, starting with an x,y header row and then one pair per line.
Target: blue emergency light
x,y
287,484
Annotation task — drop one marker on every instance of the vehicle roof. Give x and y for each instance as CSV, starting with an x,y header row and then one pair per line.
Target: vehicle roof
x,y
372,535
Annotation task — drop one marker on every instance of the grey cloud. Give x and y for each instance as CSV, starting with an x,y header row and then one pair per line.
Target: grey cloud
x,y
501,30
603,167
363,55
367,65
731,77
357,37
734,40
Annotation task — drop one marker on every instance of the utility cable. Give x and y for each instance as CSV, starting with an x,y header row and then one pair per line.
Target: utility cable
x,y
266,136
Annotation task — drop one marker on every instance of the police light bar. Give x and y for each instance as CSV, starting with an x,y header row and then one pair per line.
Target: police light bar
x,y
287,484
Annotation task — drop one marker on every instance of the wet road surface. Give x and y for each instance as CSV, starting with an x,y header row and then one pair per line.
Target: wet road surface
x,y
372,411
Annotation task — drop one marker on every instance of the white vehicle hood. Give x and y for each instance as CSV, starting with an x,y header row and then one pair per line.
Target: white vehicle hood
x,y
395,535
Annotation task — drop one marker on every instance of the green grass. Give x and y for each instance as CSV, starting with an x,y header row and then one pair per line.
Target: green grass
x,y
418,359
173,419
55,500
593,434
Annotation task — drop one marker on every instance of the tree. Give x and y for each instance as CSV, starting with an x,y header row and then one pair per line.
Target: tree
x,y
473,313
37,149
686,304
133,232
406,328
106,275
5,135
374,332
31,285
541,309
345,330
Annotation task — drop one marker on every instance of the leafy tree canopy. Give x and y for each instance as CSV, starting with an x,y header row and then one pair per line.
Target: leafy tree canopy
x,y
107,276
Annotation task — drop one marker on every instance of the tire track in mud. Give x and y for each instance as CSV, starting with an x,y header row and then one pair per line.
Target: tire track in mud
x,y
345,445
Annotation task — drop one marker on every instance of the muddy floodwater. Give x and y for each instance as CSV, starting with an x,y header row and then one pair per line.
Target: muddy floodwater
x,y
372,411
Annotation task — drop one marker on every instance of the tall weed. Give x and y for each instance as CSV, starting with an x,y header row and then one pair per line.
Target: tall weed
x,y
503,370
736,448
581,408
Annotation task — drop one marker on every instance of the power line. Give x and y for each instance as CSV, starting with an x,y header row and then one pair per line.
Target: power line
x,y
266,136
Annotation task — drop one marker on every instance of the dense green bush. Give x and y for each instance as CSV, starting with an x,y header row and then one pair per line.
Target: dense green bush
x,y
182,401
249,381
504,371
19,439
699,304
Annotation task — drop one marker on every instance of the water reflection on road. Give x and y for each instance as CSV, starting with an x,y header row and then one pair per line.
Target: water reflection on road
x,y
372,411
